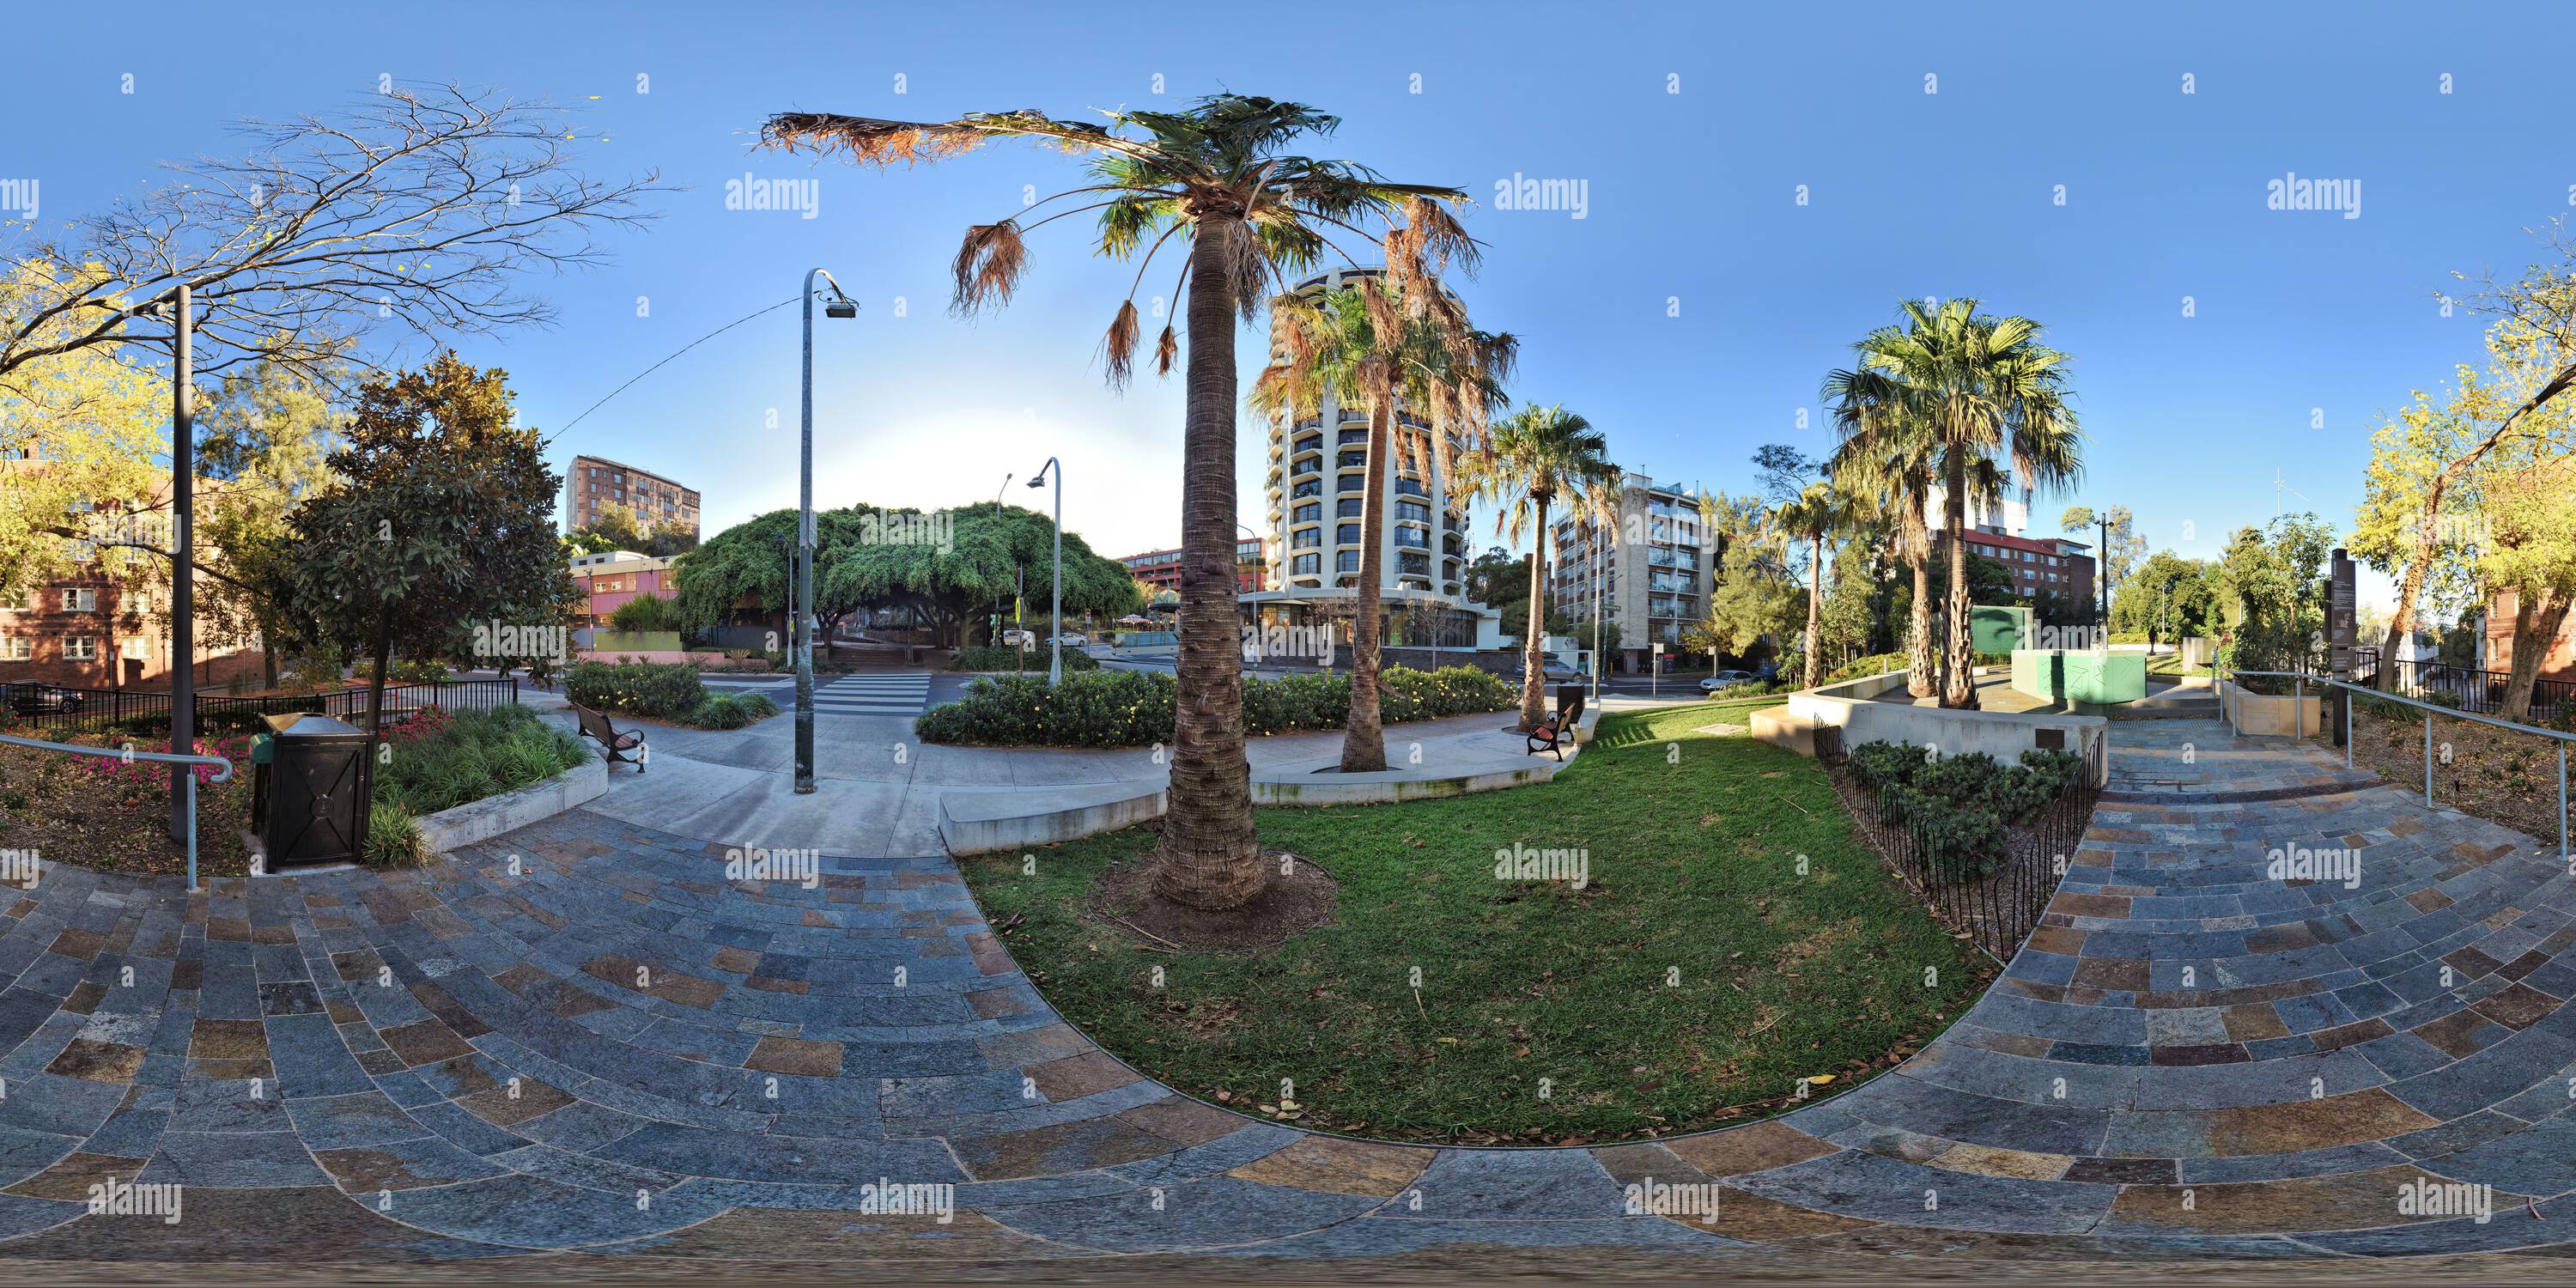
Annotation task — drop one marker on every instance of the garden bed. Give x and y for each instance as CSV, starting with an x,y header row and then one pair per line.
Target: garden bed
x,y
2499,775
1695,978
109,816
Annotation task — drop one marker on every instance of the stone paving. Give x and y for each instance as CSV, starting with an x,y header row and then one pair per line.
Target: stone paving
x,y
581,1036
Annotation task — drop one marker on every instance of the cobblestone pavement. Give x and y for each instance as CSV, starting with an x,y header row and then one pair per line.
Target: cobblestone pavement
x,y
581,1039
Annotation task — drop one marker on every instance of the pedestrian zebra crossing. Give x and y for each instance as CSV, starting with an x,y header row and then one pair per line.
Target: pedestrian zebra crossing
x,y
898,693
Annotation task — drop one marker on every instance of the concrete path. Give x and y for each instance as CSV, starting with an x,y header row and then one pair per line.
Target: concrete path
x,y
582,1036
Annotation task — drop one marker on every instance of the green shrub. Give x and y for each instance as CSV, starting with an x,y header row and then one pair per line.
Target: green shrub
x,y
394,839
1875,664
1134,708
1958,808
1959,843
1879,764
646,612
654,690
731,711
470,757
1000,657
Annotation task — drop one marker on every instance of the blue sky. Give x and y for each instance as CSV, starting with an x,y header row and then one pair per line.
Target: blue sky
x,y
1690,314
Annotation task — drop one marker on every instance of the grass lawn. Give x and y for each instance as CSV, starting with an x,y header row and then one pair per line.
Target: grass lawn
x,y
1695,980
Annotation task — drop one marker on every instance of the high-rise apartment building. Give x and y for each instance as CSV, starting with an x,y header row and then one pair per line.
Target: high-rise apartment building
x,y
1654,568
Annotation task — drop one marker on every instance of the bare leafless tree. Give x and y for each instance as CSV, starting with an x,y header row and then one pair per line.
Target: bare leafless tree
x,y
417,214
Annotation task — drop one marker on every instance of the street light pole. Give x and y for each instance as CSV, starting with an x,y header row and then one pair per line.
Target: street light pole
x,y
842,306
183,588
1055,587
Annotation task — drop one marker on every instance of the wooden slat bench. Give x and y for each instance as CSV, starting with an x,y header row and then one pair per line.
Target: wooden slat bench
x,y
1553,732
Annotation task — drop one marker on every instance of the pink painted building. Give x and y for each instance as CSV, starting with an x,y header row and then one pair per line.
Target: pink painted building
x,y
612,577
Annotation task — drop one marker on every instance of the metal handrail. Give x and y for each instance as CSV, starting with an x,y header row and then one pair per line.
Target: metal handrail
x,y
223,773
2218,677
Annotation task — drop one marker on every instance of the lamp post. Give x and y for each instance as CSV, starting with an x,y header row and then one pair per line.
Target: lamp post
x,y
178,310
802,618
1055,584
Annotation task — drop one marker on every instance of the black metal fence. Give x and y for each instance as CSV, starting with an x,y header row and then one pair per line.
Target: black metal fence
x,y
1995,909
2470,689
145,711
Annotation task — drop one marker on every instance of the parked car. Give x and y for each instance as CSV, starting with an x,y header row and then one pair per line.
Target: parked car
x,y
1552,671
1725,680
1013,637
39,699
1071,639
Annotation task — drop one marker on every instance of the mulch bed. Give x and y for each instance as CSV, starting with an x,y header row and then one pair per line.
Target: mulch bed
x,y
2495,774
1288,906
110,817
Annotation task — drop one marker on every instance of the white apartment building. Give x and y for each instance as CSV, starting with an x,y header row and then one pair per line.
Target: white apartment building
x,y
1654,569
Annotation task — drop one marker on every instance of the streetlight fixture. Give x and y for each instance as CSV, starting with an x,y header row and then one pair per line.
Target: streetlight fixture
x,y
1055,587
802,617
177,309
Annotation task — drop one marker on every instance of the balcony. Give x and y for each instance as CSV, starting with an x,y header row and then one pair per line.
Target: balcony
x,y
1313,423
1354,438
1411,540
1409,487
1306,489
1310,443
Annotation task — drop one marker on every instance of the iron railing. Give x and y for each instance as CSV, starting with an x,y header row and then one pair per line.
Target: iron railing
x,y
2298,691
1996,910
138,710
223,772
2470,689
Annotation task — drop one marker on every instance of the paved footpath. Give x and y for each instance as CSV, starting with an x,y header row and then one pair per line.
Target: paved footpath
x,y
580,1044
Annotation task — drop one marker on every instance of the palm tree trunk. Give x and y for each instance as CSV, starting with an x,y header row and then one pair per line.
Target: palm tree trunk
x,y
1534,666
1816,610
2536,622
1918,643
1363,738
1959,677
1211,857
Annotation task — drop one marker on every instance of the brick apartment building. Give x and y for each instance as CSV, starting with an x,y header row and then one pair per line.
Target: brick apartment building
x,y
2559,663
660,505
1161,569
92,630
2052,564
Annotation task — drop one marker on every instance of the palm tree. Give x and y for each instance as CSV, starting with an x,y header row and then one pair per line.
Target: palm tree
x,y
1365,344
1885,456
1531,458
1821,508
1215,175
1972,389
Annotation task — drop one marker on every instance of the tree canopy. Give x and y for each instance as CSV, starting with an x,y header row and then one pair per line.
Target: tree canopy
x,y
948,566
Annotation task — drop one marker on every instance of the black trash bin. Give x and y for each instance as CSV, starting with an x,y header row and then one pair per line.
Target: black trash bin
x,y
1567,695
311,793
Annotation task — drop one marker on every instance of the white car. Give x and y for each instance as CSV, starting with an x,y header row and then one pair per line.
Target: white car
x,y
1725,680
1071,639
1013,637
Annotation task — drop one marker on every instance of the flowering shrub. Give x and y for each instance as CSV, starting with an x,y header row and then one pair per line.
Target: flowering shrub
x,y
658,691
1134,708
138,774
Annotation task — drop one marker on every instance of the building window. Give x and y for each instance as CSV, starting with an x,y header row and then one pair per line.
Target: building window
x,y
17,648
1347,534
1308,539
81,599
1307,513
1412,512
1307,565
1349,507
1347,561
80,648
139,647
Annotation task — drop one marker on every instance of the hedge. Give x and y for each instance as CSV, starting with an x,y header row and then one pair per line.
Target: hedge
x,y
1134,708
662,691
1002,657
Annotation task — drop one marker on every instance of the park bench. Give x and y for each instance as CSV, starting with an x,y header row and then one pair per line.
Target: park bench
x,y
1553,732
595,727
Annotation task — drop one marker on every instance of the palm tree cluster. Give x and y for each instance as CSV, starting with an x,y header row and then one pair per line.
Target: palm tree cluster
x,y
1218,177
1965,402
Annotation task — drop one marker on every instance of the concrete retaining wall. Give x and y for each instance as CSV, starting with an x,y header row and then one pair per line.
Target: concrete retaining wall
x,y
489,817
2263,715
2000,734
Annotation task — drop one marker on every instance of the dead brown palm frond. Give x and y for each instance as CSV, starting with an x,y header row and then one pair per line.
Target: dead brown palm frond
x,y
1167,351
1120,345
1428,240
1247,267
988,267
870,140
